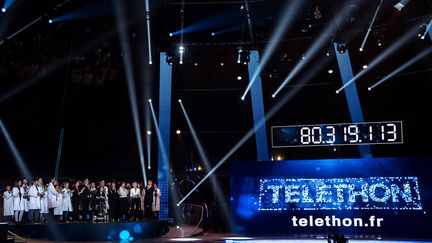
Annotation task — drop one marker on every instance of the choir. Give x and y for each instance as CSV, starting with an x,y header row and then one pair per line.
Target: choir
x,y
34,202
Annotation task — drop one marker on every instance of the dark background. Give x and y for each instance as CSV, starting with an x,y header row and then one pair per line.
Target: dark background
x,y
69,74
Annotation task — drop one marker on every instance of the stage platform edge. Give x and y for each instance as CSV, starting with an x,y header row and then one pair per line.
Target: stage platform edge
x,y
114,231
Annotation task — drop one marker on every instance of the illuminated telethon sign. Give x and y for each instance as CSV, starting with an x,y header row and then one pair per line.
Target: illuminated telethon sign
x,y
365,133
391,193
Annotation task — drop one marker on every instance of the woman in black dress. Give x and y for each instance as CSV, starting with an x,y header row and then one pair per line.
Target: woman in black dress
x,y
75,201
113,202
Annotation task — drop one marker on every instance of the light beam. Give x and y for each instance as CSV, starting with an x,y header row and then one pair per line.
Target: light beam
x,y
308,76
413,60
22,165
314,49
290,12
394,47
127,64
370,26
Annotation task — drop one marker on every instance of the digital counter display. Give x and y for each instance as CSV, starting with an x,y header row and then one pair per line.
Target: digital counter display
x,y
365,133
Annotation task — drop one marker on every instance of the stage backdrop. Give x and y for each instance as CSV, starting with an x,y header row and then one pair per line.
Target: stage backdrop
x,y
380,196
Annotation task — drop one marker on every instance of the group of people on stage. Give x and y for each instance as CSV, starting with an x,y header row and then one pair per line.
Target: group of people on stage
x,y
35,202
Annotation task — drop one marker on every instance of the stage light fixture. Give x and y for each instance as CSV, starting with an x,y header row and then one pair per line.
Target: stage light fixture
x,y
303,57
239,77
213,34
365,66
149,132
221,63
50,21
196,64
180,101
422,37
400,5
360,49
3,10
178,132
150,100
330,71
327,54
170,34
341,48
150,62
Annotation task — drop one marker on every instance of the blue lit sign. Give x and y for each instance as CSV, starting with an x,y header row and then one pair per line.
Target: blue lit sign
x,y
386,193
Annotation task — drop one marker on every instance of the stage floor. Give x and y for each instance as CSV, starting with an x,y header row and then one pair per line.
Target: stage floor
x,y
230,238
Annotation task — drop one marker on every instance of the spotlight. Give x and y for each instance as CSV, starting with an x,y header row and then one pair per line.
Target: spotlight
x,y
170,34
242,7
212,33
400,5
3,10
369,88
327,54
365,66
181,62
330,71
245,63
317,13
221,63
419,35
379,44
150,62
148,132
50,21
341,48
239,77
178,132
422,37
196,64
242,98
180,101
360,49
273,95
279,158
181,49
150,100
303,57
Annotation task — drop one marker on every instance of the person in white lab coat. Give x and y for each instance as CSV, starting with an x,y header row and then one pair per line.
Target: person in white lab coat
x,y
52,199
34,202
156,201
8,211
41,194
58,204
44,203
18,207
25,200
67,203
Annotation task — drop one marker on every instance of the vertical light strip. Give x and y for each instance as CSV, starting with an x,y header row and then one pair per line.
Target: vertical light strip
x,y
370,27
164,129
354,106
258,108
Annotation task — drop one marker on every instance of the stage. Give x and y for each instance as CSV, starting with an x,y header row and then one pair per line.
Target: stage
x,y
92,231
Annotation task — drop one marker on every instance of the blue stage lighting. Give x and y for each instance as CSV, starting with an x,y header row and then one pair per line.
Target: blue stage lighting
x,y
212,33
170,34
124,235
3,10
50,21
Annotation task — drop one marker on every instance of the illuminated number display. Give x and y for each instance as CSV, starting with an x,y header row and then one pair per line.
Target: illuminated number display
x,y
364,133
